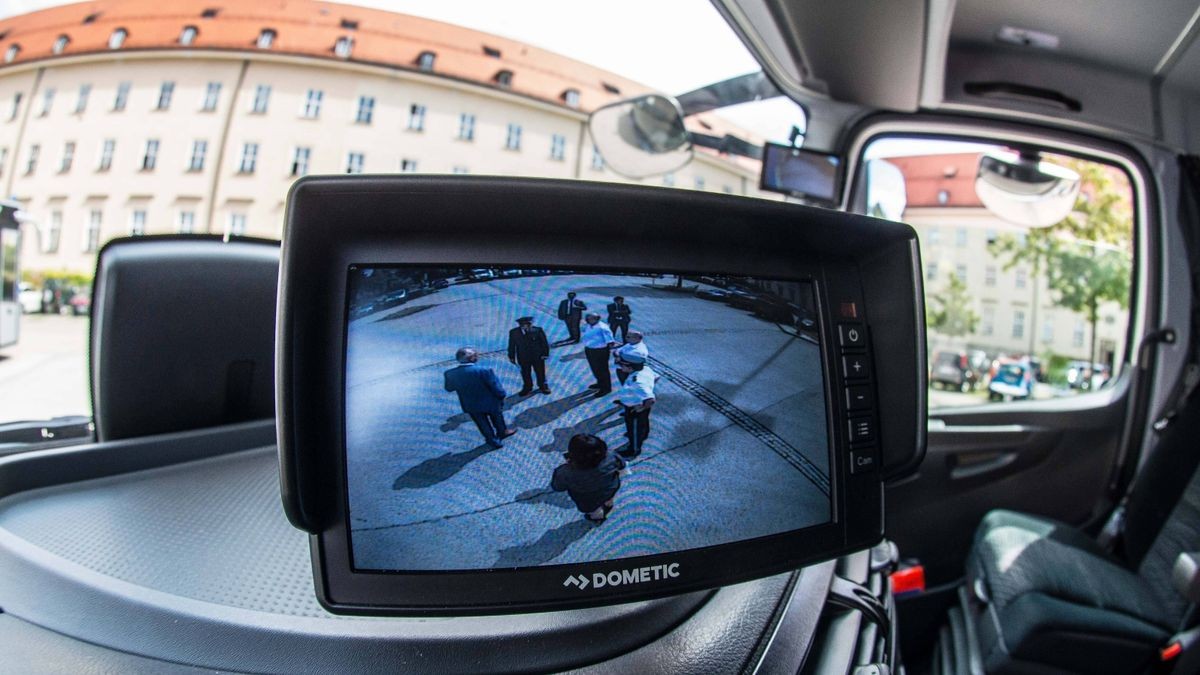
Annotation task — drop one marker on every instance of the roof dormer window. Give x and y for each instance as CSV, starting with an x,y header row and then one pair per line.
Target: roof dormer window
x,y
571,98
188,36
426,60
10,54
349,24
504,78
60,43
117,39
343,47
491,51
266,38
91,18
610,88
210,13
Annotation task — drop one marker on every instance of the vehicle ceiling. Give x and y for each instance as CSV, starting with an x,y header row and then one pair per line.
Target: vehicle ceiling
x,y
1133,67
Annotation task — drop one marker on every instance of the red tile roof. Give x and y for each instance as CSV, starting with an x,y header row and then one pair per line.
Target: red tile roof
x,y
927,175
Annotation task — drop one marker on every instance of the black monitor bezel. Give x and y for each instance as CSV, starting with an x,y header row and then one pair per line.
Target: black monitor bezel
x,y
334,222
838,173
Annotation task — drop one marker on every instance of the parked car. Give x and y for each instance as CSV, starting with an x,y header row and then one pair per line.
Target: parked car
x,y
1087,377
741,299
1013,381
30,298
392,298
711,294
961,370
80,303
775,309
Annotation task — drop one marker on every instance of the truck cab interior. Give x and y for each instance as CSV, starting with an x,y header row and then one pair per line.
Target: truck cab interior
x,y
1038,534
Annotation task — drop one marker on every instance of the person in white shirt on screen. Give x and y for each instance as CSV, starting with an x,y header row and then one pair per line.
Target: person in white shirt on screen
x,y
633,349
598,342
636,398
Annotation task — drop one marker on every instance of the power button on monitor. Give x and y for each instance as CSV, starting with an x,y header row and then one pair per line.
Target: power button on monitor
x,y
851,336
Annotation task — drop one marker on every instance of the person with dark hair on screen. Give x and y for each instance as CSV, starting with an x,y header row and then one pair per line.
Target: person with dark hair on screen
x,y
591,476
529,349
619,315
634,350
598,342
570,312
480,395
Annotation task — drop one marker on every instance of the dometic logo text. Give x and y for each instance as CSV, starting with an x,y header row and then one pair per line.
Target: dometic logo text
x,y
637,575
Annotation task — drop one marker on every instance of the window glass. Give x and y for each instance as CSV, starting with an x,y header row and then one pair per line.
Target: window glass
x,y
1011,304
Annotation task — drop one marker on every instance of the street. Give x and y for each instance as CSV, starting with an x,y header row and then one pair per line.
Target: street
x,y
45,375
738,447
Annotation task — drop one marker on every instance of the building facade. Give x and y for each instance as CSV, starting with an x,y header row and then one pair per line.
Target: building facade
x,y
129,117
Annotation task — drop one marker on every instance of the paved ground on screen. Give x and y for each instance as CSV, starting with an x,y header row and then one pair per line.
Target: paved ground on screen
x,y
44,375
726,458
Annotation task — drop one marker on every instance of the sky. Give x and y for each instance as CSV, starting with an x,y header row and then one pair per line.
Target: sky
x,y
671,45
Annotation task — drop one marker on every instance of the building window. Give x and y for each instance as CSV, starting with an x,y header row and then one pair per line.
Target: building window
x,y
943,197
960,271
990,234
366,109
558,147
262,96
460,170
16,107
426,61
960,237
491,51
47,102
1018,324
699,182
249,158
68,157
354,162
236,225
349,24
989,275
60,43
91,233
504,78
85,92
466,127
106,154
199,151
265,39
931,271
934,236
571,98
1022,277
150,158
53,233
312,104
188,36
987,325
300,159
137,222
1077,335
117,39
512,140
416,117
164,95
31,162
611,88
122,96
186,223
212,94
408,166
668,179
1047,331
597,159
343,47
10,54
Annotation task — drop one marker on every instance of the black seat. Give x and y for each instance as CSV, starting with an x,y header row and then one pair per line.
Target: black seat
x,y
183,334
1043,596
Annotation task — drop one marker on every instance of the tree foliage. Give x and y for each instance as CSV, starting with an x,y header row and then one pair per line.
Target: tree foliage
x,y
949,311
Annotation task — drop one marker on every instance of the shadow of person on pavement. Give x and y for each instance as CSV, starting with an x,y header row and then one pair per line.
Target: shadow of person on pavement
x,y
455,421
530,418
547,547
588,425
438,469
546,496
573,356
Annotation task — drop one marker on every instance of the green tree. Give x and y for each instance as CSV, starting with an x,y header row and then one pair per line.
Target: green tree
x,y
949,311
1088,256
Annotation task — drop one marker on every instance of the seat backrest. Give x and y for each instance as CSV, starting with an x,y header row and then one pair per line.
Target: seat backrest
x,y
183,334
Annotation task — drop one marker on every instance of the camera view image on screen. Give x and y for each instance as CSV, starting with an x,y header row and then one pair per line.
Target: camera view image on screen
x,y
512,417
799,172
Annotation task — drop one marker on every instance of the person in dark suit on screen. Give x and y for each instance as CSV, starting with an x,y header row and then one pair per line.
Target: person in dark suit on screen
x,y
570,312
619,315
529,348
480,395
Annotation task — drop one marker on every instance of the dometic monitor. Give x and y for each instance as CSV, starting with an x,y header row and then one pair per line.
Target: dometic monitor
x,y
800,173
511,394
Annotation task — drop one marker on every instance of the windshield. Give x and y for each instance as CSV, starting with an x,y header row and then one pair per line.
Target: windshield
x,y
116,122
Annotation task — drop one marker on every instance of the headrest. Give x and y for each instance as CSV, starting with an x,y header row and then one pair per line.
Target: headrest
x,y
183,334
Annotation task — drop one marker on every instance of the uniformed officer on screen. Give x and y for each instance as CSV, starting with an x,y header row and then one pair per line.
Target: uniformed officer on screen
x,y
598,342
570,312
633,350
636,398
619,315
529,349
480,395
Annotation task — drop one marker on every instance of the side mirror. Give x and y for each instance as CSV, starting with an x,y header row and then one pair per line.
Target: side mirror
x,y
642,136
1025,190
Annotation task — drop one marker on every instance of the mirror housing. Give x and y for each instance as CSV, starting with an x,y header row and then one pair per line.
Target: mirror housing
x,y
643,136
1026,190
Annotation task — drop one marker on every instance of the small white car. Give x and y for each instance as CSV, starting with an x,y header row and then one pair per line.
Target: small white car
x,y
30,298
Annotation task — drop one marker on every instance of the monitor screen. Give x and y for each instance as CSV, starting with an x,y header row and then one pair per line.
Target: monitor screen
x,y
507,417
798,172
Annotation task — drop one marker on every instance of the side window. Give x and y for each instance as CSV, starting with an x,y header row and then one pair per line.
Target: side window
x,y
1027,281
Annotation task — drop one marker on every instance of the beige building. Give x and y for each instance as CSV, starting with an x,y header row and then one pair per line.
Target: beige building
x,y
127,117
